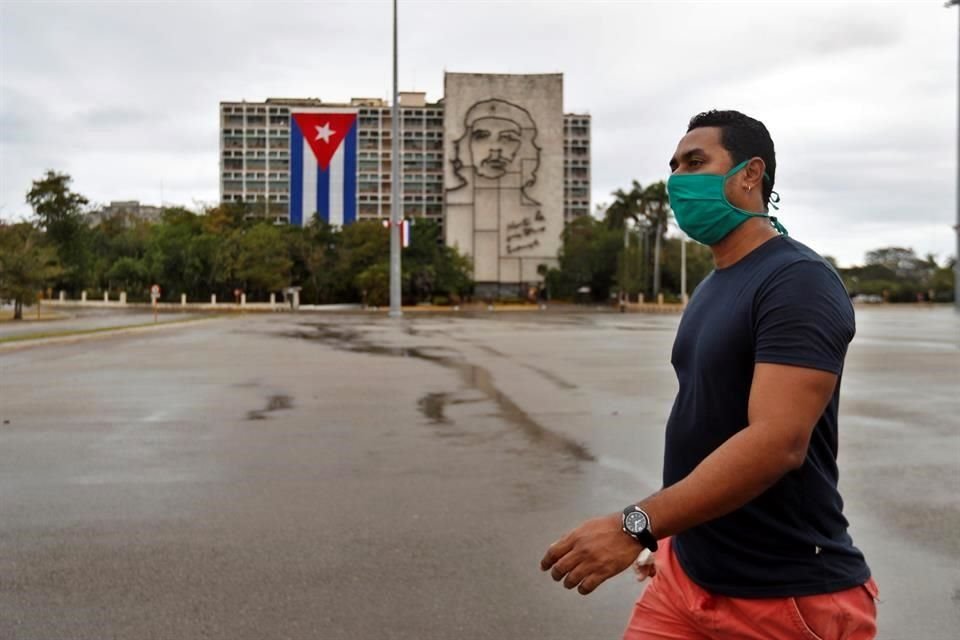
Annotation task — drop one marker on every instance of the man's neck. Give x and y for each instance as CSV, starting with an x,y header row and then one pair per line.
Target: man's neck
x,y
741,241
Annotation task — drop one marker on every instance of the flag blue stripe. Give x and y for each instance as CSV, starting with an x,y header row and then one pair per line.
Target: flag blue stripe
x,y
296,174
350,179
323,193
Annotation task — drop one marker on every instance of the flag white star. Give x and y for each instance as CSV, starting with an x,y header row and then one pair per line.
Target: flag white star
x,y
324,132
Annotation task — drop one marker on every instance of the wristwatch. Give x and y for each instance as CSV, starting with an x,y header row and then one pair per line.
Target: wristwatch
x,y
636,524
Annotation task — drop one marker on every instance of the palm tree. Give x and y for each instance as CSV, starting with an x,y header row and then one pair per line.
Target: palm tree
x,y
656,209
626,205
649,208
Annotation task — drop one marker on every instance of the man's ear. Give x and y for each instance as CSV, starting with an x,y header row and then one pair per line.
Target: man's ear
x,y
752,175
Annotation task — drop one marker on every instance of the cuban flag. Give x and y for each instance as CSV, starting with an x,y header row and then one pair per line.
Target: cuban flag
x,y
323,166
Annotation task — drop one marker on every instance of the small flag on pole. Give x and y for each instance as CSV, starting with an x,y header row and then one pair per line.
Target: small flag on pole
x,y
405,225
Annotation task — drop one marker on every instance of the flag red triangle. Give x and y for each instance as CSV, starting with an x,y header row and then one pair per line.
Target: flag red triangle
x,y
324,132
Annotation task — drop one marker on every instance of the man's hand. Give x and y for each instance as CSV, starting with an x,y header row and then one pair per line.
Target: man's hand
x,y
590,554
645,565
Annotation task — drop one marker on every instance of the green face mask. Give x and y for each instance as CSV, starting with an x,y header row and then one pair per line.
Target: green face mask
x,y
702,209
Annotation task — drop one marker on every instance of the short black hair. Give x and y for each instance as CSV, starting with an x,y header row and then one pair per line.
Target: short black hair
x,y
744,138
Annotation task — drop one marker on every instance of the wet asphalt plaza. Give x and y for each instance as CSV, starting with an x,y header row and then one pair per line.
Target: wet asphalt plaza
x,y
350,477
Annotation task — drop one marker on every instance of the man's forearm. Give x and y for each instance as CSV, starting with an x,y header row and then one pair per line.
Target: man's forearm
x,y
738,471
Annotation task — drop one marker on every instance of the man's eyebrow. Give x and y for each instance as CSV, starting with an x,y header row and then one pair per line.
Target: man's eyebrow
x,y
686,156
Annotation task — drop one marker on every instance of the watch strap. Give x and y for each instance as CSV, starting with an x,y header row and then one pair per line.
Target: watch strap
x,y
644,537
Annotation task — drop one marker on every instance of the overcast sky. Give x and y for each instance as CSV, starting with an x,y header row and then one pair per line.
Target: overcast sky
x,y
860,97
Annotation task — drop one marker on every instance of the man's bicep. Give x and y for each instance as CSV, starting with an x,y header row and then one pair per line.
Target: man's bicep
x,y
790,400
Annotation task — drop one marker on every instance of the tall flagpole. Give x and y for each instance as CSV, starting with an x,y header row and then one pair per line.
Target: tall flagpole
x,y
956,266
395,302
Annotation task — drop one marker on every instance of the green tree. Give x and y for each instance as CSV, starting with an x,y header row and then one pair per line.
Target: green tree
x,y
656,211
167,258
59,212
27,264
225,217
898,275
114,238
129,274
902,261
588,258
648,208
262,264
313,253
362,245
432,270
626,206
699,265
374,284
942,282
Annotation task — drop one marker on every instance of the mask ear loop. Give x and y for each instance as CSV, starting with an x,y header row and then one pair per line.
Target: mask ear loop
x,y
775,198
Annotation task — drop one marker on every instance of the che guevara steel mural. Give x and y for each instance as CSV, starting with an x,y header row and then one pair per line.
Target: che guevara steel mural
x,y
504,175
498,152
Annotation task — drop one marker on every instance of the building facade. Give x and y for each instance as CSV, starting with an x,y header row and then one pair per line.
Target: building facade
x,y
255,156
131,210
505,175
576,165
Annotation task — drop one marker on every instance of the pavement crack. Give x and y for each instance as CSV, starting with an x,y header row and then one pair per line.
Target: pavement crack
x,y
471,375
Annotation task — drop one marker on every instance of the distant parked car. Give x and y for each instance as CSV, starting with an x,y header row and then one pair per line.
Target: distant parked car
x,y
867,298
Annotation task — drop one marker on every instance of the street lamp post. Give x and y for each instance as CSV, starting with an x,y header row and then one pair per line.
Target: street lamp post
x,y
956,228
395,302
624,294
656,260
683,269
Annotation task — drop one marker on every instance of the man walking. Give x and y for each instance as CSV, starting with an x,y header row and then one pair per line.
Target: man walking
x,y
752,539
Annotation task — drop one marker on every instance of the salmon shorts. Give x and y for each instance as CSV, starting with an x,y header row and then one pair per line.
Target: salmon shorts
x,y
675,607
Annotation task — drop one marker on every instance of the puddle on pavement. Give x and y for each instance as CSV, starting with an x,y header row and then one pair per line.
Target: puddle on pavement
x,y
432,406
275,402
471,375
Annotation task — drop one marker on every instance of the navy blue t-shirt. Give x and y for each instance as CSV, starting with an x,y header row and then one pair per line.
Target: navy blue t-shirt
x,y
783,304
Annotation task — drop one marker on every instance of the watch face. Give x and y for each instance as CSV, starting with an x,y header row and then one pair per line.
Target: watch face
x,y
635,522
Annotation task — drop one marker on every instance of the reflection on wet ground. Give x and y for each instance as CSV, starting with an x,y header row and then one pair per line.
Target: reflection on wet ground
x,y
275,402
472,377
432,406
414,491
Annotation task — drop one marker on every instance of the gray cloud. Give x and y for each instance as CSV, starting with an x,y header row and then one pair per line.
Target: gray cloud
x,y
860,97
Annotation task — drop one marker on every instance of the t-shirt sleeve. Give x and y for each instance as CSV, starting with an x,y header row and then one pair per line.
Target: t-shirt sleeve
x,y
803,317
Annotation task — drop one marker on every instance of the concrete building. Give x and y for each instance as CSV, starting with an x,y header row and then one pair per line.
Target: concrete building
x,y
131,209
255,156
576,165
